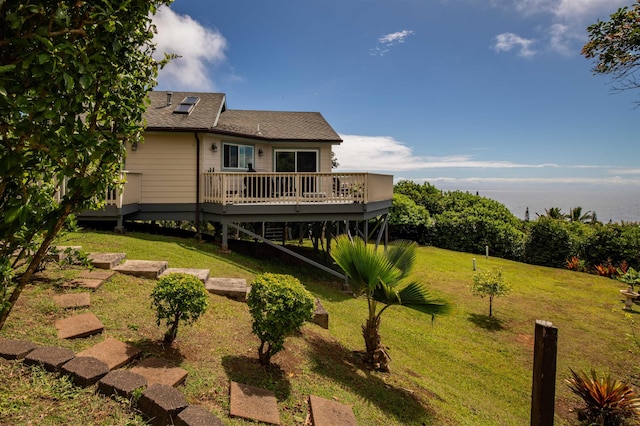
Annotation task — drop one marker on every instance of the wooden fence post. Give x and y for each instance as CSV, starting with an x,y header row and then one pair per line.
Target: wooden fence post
x,y
544,374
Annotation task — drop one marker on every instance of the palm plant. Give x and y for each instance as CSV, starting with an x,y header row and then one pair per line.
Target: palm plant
x,y
380,276
553,213
576,215
606,401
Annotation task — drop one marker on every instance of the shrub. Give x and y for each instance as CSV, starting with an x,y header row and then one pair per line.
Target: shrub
x,y
279,305
606,401
548,243
606,270
575,264
631,277
178,298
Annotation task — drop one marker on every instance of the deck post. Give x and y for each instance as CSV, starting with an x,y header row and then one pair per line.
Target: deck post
x,y
225,237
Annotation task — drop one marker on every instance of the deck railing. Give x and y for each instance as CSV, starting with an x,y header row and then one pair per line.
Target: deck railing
x,y
129,194
296,188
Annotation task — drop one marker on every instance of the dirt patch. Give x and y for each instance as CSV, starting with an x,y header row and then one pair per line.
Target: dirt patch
x,y
527,340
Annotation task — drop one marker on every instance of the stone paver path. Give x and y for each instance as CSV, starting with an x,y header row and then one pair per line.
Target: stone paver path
x,y
112,352
106,260
82,325
72,300
325,412
97,274
160,400
253,403
201,274
156,370
142,268
88,283
234,288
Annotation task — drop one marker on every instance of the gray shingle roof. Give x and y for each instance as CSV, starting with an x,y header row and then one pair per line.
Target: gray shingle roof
x,y
277,125
160,116
210,115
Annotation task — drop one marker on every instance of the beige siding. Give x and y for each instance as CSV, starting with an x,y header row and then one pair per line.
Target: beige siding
x,y
168,166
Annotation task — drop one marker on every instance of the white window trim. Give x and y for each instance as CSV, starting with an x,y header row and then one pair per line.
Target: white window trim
x,y
239,145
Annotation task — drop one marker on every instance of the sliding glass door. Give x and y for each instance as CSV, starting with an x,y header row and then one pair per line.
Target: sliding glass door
x,y
296,161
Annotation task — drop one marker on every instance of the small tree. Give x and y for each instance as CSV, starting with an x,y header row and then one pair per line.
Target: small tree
x,y
490,284
279,305
178,298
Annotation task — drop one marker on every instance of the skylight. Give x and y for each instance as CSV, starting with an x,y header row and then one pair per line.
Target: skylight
x,y
187,104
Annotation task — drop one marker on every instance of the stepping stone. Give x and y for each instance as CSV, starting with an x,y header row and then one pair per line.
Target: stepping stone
x,y
121,382
156,370
142,268
320,315
84,370
254,403
234,288
325,412
106,260
96,274
15,349
78,326
162,403
72,300
50,357
88,283
195,415
201,274
112,352
58,251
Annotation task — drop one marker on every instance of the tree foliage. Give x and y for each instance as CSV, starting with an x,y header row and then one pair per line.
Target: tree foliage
x,y
470,222
178,298
490,284
383,277
548,243
408,220
615,47
73,81
279,305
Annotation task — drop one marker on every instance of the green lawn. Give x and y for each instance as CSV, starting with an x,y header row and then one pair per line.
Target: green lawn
x,y
461,369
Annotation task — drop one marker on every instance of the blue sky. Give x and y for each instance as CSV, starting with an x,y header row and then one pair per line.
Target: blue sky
x,y
465,94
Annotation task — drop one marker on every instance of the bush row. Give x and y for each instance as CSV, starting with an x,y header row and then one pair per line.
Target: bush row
x,y
465,222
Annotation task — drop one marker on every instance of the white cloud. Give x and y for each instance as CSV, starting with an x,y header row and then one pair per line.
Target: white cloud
x,y
571,10
388,40
506,42
529,180
196,45
384,153
564,31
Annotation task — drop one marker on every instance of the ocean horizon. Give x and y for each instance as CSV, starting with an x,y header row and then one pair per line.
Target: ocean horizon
x,y
610,203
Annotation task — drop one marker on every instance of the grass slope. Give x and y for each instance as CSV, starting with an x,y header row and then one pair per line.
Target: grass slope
x,y
465,368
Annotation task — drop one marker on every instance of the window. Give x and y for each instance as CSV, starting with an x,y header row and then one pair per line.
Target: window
x,y
187,104
296,161
237,156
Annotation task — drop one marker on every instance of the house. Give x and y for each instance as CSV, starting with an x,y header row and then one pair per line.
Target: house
x,y
201,161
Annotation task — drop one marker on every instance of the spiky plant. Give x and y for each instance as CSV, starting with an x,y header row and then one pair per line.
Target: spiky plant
x,y
607,402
